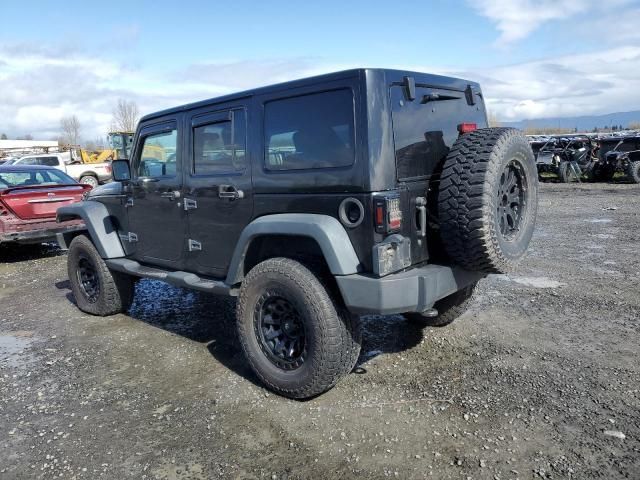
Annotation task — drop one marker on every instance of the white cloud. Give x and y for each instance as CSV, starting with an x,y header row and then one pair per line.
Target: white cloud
x,y
38,87
589,83
516,19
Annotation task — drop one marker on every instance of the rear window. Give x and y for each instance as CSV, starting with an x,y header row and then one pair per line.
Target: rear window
x,y
40,177
49,161
310,131
424,129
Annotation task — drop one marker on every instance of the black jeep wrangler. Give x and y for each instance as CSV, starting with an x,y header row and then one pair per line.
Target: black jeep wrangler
x,y
313,202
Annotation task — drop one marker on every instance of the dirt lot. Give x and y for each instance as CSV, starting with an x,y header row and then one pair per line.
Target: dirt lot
x,y
541,379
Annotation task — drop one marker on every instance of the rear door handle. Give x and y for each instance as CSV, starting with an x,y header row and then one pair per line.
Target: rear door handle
x,y
421,206
230,192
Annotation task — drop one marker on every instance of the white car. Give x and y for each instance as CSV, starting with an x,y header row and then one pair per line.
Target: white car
x,y
88,173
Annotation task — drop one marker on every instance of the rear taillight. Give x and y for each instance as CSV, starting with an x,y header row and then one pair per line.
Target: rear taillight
x,y
108,168
467,127
387,214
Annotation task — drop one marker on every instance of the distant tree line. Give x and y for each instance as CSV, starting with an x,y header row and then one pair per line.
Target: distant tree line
x,y
530,130
28,136
125,116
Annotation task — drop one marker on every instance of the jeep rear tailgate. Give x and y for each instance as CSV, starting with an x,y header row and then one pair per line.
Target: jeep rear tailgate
x,y
427,120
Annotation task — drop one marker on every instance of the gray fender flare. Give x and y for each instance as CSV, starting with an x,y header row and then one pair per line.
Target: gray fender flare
x,y
99,225
327,231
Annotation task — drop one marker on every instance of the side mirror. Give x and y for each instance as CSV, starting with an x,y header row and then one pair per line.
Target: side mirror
x,y
120,170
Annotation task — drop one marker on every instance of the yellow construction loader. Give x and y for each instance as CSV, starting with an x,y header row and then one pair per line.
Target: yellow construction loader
x,y
119,143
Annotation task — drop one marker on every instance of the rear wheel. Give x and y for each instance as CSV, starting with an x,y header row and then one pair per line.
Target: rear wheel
x,y
633,171
97,290
297,340
488,199
89,180
449,308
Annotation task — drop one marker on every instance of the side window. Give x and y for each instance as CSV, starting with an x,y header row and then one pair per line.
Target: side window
x,y
29,161
49,161
158,156
220,147
310,131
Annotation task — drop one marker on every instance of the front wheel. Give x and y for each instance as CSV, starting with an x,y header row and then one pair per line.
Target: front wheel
x,y
449,308
97,290
296,338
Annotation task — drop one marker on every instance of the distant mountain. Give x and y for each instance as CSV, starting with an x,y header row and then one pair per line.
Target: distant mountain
x,y
584,124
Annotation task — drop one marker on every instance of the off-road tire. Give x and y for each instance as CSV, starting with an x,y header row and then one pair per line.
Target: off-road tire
x,y
633,171
604,172
449,308
566,173
332,335
472,178
115,289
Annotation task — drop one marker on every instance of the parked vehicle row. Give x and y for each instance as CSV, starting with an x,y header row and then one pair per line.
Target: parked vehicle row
x,y
590,157
92,174
29,198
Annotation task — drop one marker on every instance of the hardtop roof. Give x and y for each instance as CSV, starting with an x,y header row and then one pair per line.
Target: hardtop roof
x,y
390,74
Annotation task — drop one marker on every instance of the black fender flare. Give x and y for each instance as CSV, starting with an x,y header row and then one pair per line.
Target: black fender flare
x,y
99,224
327,231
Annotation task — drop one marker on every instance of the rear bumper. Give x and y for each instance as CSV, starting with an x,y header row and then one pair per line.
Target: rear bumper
x,y
38,232
414,290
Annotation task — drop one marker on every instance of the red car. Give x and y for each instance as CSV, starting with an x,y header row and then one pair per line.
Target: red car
x,y
29,198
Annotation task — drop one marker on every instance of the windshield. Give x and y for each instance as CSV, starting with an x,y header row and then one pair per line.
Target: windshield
x,y
35,178
116,141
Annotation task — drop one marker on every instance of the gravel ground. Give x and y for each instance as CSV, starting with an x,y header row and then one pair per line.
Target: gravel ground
x,y
540,379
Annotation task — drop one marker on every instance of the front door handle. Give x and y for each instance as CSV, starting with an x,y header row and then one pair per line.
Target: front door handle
x,y
173,195
230,192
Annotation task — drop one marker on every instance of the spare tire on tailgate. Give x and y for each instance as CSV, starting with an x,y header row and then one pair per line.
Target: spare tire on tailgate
x,y
487,199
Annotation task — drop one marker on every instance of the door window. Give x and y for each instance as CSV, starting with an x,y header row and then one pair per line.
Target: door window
x,y
220,147
158,156
29,161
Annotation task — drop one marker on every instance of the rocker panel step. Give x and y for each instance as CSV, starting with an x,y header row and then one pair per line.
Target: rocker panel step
x,y
177,278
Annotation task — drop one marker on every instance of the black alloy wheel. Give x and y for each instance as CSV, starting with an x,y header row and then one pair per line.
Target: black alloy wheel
x,y
280,331
512,199
88,279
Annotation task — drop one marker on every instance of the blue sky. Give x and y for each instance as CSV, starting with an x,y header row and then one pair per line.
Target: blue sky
x,y
533,58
